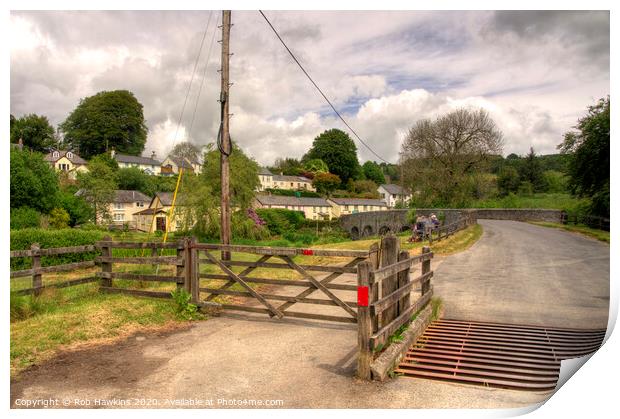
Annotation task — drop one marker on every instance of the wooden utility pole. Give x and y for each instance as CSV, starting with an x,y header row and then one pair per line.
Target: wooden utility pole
x,y
225,147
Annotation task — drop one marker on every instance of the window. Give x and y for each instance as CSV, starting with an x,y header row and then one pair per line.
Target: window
x,y
314,209
69,155
55,154
365,207
139,204
118,205
292,184
119,217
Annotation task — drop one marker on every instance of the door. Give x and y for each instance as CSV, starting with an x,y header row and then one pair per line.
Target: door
x,y
161,224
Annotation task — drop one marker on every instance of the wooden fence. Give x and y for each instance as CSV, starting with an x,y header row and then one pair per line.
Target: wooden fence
x,y
384,298
447,230
300,275
37,271
179,261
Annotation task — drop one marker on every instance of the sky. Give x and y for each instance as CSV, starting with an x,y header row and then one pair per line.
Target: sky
x,y
534,72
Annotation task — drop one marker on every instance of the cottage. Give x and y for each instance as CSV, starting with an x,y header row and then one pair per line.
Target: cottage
x,y
266,178
66,161
125,205
148,165
171,166
344,206
313,208
159,209
392,194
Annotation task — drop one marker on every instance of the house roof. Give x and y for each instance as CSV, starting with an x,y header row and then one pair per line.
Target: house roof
x,y
75,159
126,158
264,171
284,178
395,189
181,162
291,200
166,198
125,196
358,201
150,211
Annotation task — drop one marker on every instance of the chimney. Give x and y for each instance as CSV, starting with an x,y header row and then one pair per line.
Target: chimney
x,y
153,155
112,152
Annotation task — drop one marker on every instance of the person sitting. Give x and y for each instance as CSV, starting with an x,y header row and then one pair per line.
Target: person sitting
x,y
435,221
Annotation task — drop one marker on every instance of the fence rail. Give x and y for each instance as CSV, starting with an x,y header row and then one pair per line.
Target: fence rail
x,y
36,272
445,231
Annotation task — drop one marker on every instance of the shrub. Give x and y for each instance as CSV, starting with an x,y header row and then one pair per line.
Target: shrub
x,y
288,192
58,218
25,217
281,220
23,239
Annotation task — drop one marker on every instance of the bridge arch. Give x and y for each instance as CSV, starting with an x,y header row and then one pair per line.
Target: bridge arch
x,y
367,232
355,233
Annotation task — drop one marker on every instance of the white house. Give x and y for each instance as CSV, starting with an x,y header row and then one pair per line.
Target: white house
x,y
344,206
392,194
66,161
148,165
313,208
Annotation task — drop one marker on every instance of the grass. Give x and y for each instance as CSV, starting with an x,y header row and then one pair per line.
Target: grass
x,y
601,235
561,201
76,316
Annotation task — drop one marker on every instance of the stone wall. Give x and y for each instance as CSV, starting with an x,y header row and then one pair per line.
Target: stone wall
x,y
366,224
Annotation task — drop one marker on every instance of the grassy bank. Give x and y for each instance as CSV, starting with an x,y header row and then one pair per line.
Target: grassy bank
x,y
601,235
559,201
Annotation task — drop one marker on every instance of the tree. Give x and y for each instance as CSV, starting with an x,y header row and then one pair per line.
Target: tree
x,y
326,183
59,218
589,151
35,131
34,183
97,187
186,150
106,120
508,180
80,212
372,171
288,166
531,171
316,166
134,179
339,152
243,176
365,188
440,156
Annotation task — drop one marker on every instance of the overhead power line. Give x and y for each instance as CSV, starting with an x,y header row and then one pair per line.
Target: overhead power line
x,y
320,91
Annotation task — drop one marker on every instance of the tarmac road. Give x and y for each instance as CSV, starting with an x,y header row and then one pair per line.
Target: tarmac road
x,y
526,274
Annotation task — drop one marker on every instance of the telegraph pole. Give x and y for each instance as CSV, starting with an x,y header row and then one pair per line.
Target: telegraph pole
x,y
225,147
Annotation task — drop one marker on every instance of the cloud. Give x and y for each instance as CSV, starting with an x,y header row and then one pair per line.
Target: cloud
x,y
536,72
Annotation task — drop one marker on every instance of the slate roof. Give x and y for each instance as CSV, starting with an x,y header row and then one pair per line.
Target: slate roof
x,y
291,200
184,162
125,196
264,171
284,178
358,201
395,189
166,198
125,158
62,153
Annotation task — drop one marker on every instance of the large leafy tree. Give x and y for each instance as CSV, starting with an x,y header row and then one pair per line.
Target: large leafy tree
x,y
34,183
35,131
339,152
106,120
372,171
134,179
588,164
97,188
287,166
326,183
440,157
243,176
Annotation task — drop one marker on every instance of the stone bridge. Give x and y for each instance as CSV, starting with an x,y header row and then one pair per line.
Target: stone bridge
x,y
365,224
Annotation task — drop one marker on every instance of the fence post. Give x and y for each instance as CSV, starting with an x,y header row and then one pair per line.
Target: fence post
x,y
37,278
180,269
426,268
403,279
364,320
106,252
389,256
194,271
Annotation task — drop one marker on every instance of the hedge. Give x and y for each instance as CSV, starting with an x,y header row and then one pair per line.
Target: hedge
x,y
23,239
290,192
280,220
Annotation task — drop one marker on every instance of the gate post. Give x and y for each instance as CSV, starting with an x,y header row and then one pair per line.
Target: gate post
x,y
426,268
37,278
364,320
106,252
389,255
194,278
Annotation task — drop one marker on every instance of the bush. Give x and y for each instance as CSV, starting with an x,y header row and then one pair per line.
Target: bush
x,y
58,218
25,217
288,192
23,239
281,220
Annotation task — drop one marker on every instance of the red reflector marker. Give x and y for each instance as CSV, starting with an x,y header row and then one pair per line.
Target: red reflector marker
x,y
307,252
362,296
